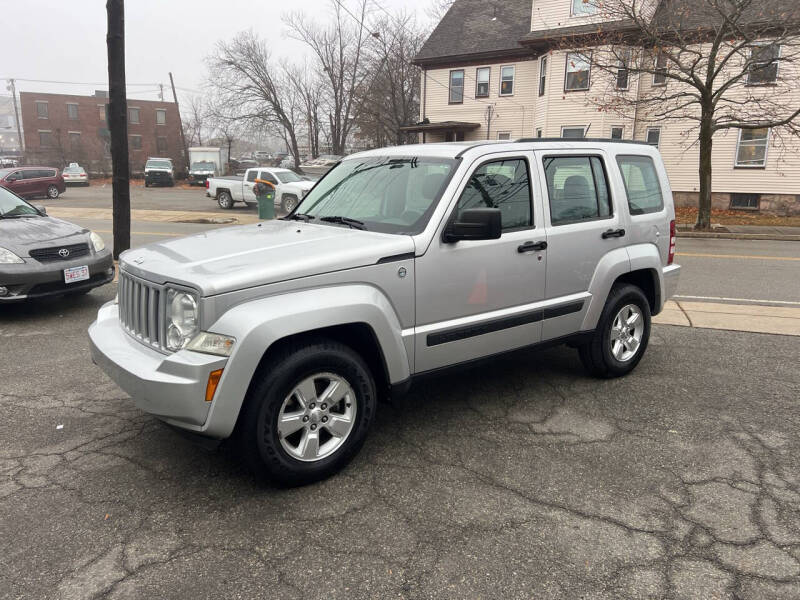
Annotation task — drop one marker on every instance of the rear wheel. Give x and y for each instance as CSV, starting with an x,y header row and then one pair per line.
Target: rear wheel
x,y
224,200
622,334
52,192
307,413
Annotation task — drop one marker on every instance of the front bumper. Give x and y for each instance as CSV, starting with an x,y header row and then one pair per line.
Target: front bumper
x,y
33,279
171,387
159,177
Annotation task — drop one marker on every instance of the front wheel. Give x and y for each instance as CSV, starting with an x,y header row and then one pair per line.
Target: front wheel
x,y
307,413
622,334
289,203
52,192
224,200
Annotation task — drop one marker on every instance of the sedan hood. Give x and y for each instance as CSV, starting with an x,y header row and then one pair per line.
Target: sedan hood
x,y
233,258
21,235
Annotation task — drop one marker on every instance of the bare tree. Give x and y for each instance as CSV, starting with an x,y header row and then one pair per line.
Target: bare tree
x,y
195,120
390,95
309,89
339,52
720,64
254,90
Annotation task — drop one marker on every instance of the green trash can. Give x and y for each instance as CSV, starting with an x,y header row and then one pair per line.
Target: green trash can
x,y
265,194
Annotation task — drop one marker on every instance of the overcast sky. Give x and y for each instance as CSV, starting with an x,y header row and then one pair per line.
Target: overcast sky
x,y
64,40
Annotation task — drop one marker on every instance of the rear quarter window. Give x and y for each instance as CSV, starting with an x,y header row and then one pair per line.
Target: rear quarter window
x,y
642,185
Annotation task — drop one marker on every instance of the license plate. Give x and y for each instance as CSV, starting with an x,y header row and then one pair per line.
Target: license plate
x,y
74,274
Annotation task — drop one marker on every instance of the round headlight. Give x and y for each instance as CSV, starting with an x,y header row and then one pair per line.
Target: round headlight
x,y
181,319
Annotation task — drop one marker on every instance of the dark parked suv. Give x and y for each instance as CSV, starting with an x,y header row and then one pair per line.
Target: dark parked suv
x,y
30,182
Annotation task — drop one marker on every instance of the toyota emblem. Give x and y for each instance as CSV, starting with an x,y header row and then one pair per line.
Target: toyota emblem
x,y
63,253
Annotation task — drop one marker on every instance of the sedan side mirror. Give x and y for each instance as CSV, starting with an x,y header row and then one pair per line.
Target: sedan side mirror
x,y
475,224
42,210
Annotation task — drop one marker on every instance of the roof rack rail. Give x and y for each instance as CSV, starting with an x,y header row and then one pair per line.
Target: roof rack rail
x,y
609,140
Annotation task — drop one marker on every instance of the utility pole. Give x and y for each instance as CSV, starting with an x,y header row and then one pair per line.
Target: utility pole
x,y
118,125
180,123
16,115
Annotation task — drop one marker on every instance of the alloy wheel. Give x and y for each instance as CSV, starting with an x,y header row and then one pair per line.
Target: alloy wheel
x,y
627,330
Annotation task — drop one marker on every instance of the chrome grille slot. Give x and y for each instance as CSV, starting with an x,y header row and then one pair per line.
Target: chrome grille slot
x,y
140,309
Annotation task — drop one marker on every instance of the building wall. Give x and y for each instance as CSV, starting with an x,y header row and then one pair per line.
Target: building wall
x,y
552,14
93,149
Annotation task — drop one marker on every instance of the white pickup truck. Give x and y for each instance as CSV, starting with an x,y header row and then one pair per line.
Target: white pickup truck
x,y
290,188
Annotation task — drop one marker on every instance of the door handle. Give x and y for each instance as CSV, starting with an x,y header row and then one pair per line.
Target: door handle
x,y
613,233
532,247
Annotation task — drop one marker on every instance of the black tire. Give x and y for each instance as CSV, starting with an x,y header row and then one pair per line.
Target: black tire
x,y
596,355
225,200
289,202
257,432
52,192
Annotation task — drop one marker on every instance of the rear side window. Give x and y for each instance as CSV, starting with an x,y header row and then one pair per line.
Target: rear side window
x,y
641,184
32,174
577,188
503,184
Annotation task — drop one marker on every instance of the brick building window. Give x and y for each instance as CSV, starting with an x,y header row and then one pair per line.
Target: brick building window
x,y
161,145
42,110
745,201
133,115
136,142
74,140
161,116
72,111
102,110
45,139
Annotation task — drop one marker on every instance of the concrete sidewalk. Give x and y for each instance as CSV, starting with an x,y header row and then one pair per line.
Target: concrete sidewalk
x,y
743,232
753,318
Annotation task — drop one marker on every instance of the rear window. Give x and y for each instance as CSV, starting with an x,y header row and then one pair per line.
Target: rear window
x,y
641,184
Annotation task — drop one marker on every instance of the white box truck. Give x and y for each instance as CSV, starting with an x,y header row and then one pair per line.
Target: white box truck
x,y
206,162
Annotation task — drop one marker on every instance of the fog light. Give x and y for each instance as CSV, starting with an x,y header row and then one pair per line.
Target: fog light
x,y
213,382
3,291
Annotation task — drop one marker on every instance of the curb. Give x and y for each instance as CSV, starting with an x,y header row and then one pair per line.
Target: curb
x,y
739,236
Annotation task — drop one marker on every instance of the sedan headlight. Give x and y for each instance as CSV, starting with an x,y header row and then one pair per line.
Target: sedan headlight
x,y
97,241
182,317
8,257
212,343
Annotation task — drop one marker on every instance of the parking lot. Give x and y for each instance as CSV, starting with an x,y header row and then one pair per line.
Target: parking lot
x,y
521,479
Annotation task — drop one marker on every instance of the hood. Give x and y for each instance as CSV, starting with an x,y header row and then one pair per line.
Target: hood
x,y
299,185
159,169
23,235
233,258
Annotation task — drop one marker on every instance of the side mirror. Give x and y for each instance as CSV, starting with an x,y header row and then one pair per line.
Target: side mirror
x,y
475,224
42,210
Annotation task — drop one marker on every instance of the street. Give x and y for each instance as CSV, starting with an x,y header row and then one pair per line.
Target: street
x,y
523,479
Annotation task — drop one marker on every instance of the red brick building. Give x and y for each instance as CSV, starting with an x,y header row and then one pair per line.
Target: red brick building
x,y
61,128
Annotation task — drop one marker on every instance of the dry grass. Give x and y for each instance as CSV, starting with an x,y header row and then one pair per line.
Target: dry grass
x,y
688,215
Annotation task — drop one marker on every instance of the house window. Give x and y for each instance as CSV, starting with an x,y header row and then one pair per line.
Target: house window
x,y
539,132
41,110
745,201
133,115
617,133
161,145
764,65
573,133
623,72
751,150
45,139
72,111
504,135
74,140
136,142
642,185
578,68
577,188
653,136
660,69
507,80
456,87
161,116
482,76
102,109
503,184
542,75
582,8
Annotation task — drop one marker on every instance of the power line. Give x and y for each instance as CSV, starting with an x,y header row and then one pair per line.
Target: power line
x,y
76,82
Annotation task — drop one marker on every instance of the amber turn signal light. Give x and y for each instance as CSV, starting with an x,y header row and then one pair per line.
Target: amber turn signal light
x,y
213,382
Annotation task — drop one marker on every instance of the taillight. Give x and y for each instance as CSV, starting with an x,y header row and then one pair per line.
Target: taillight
x,y
206,183
673,238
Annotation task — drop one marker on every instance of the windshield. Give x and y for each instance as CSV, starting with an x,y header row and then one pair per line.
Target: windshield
x,y
13,206
4,172
288,177
387,194
158,164
203,166
330,157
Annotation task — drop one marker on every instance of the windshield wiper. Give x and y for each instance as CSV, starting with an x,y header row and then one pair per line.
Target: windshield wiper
x,y
299,217
352,223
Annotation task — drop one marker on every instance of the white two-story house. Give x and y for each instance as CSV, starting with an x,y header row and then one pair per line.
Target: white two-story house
x,y
500,70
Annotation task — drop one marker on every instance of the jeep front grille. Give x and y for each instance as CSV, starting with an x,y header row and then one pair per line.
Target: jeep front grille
x,y
141,309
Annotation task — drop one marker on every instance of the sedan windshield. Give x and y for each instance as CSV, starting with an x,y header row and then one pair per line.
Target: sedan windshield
x,y
288,177
13,206
385,194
